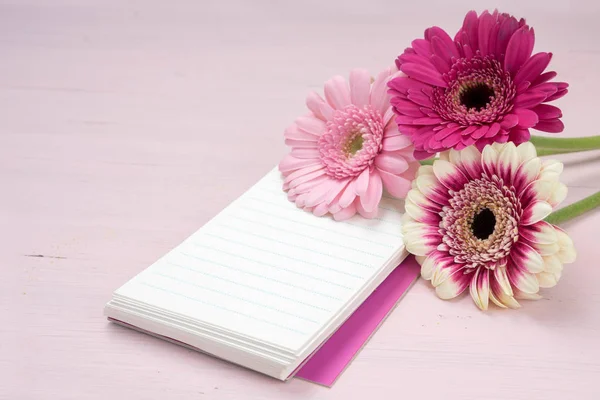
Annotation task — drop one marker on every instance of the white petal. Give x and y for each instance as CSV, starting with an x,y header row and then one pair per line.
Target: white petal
x,y
480,288
470,159
449,175
451,287
424,170
552,166
502,279
527,296
567,253
427,267
526,151
508,160
547,249
559,193
552,264
547,279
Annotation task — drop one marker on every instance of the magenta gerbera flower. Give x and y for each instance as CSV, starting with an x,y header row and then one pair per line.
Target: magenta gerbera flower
x,y
476,220
347,150
482,87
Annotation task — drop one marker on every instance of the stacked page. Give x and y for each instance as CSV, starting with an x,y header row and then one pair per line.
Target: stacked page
x,y
263,284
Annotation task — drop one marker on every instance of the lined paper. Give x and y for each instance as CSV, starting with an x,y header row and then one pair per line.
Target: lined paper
x,y
267,270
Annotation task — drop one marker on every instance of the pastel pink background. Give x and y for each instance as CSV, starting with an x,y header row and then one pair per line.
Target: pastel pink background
x,y
124,126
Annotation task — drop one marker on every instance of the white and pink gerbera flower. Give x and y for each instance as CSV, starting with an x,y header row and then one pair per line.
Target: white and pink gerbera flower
x,y
476,220
347,150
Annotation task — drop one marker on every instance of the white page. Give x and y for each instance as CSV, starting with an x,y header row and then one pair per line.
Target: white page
x,y
267,270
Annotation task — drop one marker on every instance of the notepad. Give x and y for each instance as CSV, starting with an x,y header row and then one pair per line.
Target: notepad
x,y
263,284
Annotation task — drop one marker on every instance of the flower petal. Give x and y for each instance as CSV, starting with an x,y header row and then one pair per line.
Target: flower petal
x,y
364,213
547,279
348,196
424,74
523,281
449,175
536,211
527,118
540,232
393,143
480,288
453,286
389,162
526,258
345,213
371,199
360,87
337,92
319,107
397,186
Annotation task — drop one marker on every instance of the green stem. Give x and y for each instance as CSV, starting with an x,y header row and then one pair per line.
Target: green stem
x,y
574,210
566,144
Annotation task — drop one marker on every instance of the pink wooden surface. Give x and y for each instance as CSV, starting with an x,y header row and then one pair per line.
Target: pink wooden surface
x,y
126,126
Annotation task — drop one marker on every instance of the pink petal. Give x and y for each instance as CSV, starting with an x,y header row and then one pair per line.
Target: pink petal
x,y
320,210
407,107
292,132
420,98
557,95
480,132
519,49
336,189
529,99
509,121
397,186
398,142
506,29
305,153
318,194
364,213
291,163
551,126
493,130
518,136
421,47
337,92
391,163
311,125
403,84
545,77
319,107
527,118
362,183
546,111
437,32
486,24
440,50
371,199
533,67
348,196
380,99
345,213
360,87
304,175
427,75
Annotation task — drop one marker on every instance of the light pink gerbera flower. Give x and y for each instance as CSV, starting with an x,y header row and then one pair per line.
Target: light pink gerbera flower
x,y
482,87
347,149
477,220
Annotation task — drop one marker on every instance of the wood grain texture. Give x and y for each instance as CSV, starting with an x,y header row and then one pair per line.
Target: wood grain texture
x,y
124,126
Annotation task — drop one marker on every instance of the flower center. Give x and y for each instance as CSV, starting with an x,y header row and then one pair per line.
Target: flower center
x,y
480,223
479,92
351,142
476,95
355,143
483,224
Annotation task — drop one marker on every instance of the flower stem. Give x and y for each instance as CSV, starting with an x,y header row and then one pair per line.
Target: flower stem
x,y
566,144
574,210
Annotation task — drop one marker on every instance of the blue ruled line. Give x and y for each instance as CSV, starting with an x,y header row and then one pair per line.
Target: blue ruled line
x,y
235,297
223,308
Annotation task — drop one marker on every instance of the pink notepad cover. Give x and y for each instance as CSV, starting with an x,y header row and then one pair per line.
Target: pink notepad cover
x,y
326,365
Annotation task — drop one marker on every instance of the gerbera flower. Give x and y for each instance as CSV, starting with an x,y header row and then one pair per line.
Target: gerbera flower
x,y
477,220
347,149
482,87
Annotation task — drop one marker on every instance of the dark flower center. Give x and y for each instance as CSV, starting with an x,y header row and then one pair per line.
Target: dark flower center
x,y
476,96
483,224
